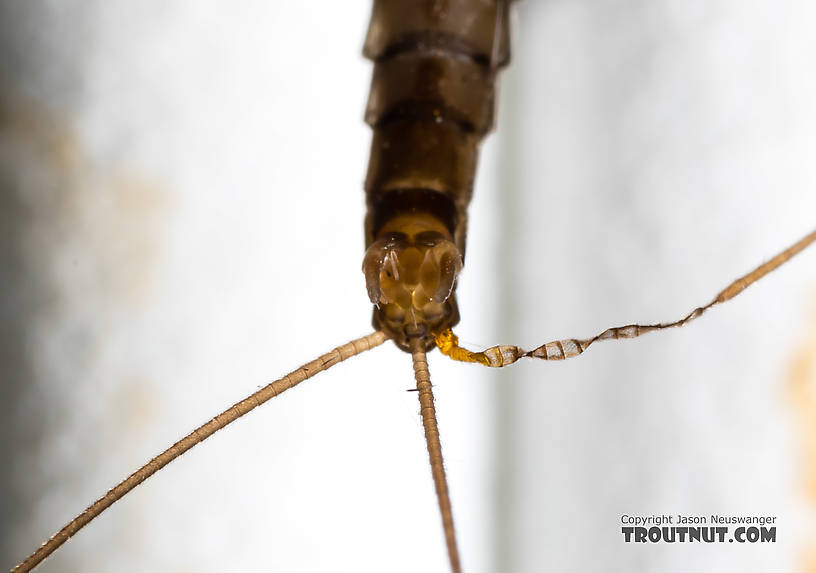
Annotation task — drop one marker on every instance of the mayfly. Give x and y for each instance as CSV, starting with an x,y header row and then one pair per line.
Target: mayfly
x,y
327,307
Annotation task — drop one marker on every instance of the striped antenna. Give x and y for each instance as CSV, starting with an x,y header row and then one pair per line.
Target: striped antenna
x,y
197,436
503,355
428,412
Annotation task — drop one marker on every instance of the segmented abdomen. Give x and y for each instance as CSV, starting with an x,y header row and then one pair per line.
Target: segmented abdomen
x,y
431,103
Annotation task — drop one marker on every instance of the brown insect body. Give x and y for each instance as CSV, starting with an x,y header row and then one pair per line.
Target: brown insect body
x,y
431,103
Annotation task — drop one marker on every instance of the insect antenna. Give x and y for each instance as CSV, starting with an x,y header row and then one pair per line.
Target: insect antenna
x,y
426,401
503,355
200,434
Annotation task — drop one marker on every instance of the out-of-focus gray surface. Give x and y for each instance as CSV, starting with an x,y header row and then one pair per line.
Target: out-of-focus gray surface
x,y
655,151
182,221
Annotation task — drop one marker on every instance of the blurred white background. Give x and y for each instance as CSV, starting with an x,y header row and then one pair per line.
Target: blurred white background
x,y
182,200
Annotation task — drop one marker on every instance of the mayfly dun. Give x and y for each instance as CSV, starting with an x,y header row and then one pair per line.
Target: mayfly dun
x,y
638,168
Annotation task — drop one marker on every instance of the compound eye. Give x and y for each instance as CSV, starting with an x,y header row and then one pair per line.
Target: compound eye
x,y
433,312
394,239
428,238
394,314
